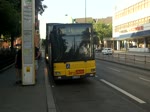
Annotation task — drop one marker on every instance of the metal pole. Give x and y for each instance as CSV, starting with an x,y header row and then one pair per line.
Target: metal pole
x,y
85,11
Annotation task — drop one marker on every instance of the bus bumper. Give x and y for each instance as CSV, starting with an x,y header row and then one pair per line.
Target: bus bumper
x,y
64,77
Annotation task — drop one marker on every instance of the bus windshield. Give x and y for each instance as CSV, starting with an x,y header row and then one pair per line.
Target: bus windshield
x,y
72,44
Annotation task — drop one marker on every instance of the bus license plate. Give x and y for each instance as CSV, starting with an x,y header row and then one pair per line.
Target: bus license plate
x,y
79,71
75,77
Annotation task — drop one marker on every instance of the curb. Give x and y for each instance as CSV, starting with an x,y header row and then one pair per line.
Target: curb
x,y
50,100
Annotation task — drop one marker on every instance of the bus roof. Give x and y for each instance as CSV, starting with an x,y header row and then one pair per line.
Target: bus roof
x,y
73,24
52,23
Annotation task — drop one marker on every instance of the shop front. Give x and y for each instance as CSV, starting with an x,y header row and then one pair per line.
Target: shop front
x,y
134,39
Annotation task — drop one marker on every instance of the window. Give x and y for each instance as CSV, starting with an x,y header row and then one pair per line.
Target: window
x,y
145,20
149,19
139,6
142,4
134,23
136,7
148,4
142,21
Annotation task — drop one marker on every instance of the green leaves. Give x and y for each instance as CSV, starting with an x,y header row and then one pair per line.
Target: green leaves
x,y
39,7
9,17
102,31
10,11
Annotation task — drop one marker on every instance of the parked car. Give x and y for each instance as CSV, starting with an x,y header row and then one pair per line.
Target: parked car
x,y
107,51
98,50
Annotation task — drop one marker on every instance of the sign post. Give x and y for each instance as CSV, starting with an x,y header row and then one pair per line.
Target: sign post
x,y
28,20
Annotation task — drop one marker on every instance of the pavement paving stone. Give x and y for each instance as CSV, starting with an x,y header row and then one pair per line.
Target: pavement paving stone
x,y
18,98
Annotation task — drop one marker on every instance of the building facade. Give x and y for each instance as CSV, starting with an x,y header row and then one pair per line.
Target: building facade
x,y
131,26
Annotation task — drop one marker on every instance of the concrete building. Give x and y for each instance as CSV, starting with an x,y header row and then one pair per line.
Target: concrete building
x,y
107,20
131,26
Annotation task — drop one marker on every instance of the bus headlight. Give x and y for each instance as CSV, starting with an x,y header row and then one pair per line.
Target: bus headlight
x,y
47,57
93,70
57,73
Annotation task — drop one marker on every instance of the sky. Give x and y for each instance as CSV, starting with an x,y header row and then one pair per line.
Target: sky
x,y
57,9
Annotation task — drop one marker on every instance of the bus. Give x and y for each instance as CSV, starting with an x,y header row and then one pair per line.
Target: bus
x,y
49,27
71,51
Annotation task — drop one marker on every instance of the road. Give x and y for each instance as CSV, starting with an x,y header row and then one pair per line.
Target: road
x,y
116,88
131,80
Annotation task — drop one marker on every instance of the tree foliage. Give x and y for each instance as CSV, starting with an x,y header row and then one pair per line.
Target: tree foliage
x,y
43,42
39,7
9,18
10,11
102,30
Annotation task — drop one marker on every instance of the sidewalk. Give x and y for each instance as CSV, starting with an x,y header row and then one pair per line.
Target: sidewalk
x,y
18,98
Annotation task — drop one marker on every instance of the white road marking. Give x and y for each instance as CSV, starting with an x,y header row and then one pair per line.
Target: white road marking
x,y
144,79
96,76
123,91
114,69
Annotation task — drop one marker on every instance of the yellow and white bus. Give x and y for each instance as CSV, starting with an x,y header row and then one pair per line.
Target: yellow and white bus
x,y
71,51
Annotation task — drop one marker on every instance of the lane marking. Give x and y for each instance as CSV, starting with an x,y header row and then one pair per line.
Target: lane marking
x,y
123,91
96,76
144,79
114,69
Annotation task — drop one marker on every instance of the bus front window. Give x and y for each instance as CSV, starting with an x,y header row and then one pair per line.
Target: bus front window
x,y
74,48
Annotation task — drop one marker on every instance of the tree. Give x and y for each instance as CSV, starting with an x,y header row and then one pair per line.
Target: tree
x,y
95,38
10,11
9,18
43,43
39,7
102,31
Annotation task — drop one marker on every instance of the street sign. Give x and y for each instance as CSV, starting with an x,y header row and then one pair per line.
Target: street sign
x,y
28,20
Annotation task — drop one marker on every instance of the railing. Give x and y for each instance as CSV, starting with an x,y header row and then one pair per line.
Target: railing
x,y
129,59
6,62
7,58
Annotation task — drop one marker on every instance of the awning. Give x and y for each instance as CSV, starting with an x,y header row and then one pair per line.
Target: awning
x,y
133,35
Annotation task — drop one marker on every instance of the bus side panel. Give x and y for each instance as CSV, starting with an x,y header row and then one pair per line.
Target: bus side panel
x,y
77,69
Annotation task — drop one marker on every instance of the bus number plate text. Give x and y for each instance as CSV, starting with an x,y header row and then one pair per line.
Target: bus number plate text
x,y
79,71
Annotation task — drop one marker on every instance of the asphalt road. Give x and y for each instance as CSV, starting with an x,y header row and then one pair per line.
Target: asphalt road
x,y
116,88
130,80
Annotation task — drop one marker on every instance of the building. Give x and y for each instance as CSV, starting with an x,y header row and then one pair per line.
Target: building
x,y
131,26
84,20
107,20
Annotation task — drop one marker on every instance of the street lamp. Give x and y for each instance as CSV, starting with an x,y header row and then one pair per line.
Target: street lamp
x,y
66,18
85,11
